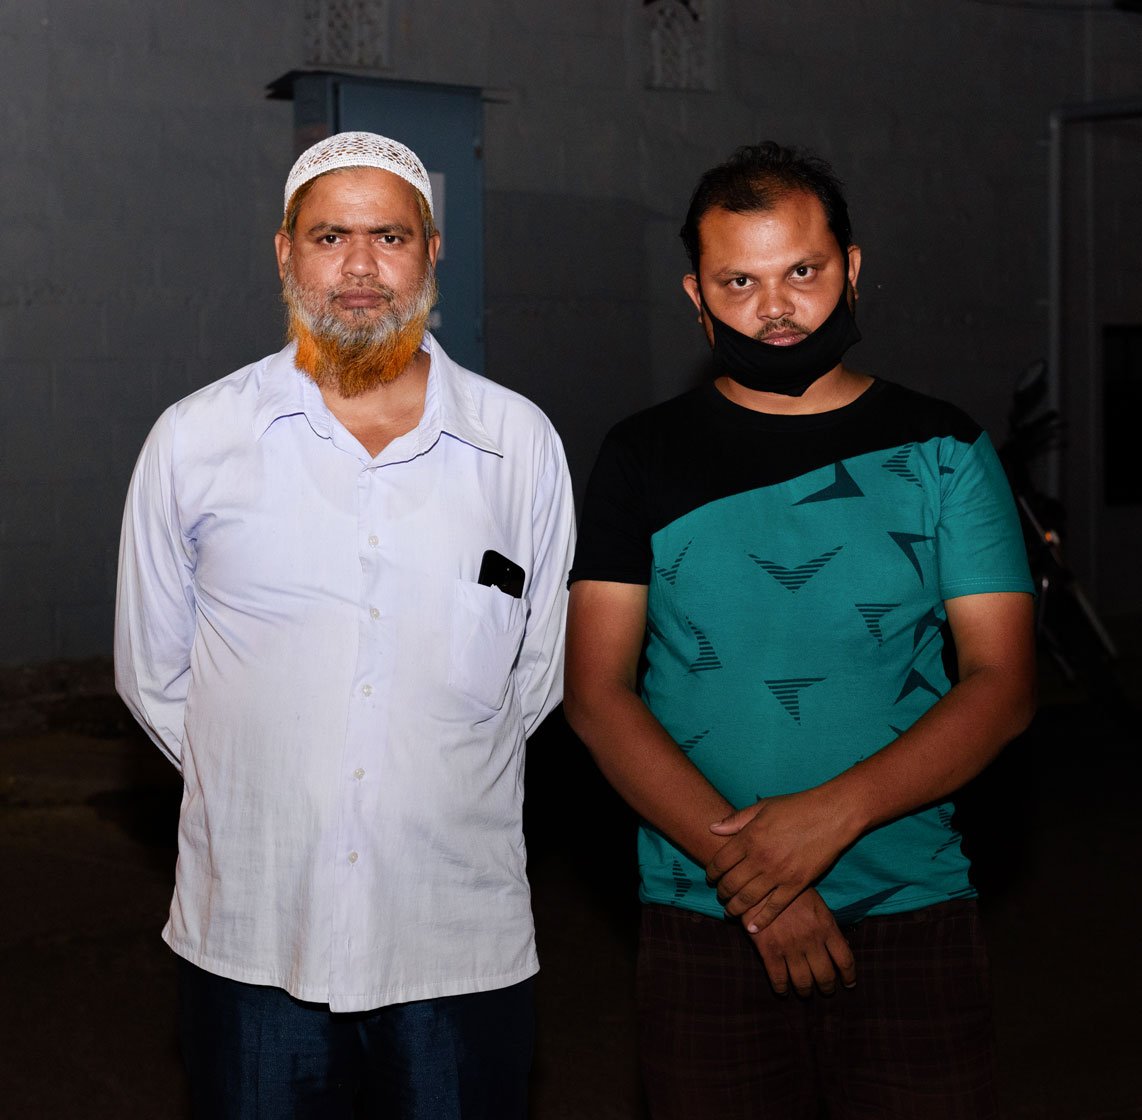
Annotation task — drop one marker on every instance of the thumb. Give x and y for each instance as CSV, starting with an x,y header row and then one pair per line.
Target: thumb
x,y
736,820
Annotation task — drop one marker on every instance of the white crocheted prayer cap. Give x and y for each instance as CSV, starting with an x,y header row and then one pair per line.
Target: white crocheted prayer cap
x,y
359,149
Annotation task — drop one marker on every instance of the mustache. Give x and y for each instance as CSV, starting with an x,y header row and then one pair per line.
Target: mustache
x,y
778,326
382,290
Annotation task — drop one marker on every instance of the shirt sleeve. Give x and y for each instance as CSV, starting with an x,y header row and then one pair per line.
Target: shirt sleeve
x,y
540,665
614,535
979,539
154,601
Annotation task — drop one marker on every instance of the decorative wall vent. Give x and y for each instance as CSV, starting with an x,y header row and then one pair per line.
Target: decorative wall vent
x,y
347,33
680,40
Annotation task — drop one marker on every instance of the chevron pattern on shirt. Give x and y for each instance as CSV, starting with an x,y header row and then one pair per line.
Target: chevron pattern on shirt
x,y
693,741
842,486
907,542
793,579
682,882
788,692
707,658
916,680
897,464
671,574
872,613
930,621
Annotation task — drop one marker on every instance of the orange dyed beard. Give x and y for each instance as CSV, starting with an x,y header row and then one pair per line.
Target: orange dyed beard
x,y
352,357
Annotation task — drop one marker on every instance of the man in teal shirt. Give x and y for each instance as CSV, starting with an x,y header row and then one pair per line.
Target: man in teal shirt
x,y
772,570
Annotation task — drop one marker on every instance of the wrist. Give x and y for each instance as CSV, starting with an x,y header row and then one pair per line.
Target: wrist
x,y
851,799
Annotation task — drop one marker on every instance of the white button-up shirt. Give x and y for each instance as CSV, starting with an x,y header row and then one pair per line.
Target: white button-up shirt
x,y
300,628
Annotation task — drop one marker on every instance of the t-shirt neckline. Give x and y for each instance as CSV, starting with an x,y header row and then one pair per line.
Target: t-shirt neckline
x,y
733,413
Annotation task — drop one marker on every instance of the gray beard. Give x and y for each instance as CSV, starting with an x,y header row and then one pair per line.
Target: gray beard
x,y
313,311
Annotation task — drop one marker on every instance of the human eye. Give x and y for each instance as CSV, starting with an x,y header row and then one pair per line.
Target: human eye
x,y
329,239
738,283
804,272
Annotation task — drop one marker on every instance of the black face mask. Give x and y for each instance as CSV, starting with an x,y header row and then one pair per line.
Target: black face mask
x,y
784,369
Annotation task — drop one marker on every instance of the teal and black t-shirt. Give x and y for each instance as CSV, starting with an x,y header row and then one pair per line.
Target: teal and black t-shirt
x,y
797,568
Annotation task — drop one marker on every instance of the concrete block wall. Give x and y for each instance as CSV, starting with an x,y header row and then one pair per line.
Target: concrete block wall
x,y
139,196
936,116
143,165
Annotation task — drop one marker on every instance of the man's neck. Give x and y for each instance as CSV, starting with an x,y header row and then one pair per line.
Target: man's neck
x,y
835,389
381,414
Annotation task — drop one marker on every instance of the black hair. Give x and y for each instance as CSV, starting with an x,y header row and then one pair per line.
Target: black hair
x,y
756,177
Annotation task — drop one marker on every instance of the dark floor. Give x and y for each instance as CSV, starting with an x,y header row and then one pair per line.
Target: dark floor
x,y
87,817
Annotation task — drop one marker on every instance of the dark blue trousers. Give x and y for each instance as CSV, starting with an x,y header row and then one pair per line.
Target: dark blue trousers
x,y
256,1053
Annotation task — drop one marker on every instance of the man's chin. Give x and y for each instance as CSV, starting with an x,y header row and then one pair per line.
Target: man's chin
x,y
360,316
352,367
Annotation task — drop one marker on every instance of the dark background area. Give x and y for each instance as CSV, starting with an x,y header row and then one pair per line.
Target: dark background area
x,y
995,201
88,810
139,190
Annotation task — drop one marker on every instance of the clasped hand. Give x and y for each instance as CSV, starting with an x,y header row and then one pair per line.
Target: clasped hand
x,y
776,848
804,947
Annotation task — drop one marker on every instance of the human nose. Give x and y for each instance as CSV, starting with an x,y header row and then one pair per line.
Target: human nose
x,y
358,261
774,302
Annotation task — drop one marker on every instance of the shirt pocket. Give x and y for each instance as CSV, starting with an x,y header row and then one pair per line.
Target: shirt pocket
x,y
487,628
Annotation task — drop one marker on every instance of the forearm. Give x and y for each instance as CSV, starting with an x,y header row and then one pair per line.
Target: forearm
x,y
943,750
647,768
539,670
152,667
782,844
154,599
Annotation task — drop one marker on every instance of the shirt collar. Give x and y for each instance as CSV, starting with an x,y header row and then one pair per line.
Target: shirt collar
x,y
449,406
286,391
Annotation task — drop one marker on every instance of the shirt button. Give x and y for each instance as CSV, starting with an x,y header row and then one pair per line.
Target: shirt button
x,y
352,857
358,773
374,540
367,689
374,614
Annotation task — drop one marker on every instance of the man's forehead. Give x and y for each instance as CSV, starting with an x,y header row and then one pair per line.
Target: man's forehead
x,y
797,221
789,207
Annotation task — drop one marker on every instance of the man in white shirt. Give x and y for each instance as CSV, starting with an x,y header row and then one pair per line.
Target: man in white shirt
x,y
340,612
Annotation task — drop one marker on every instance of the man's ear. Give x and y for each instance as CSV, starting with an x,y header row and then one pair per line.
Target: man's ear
x,y
283,246
433,248
693,289
854,266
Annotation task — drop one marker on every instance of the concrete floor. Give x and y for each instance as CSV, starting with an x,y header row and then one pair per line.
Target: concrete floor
x,y
87,818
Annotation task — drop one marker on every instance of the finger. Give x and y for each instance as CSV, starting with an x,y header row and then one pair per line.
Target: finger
x,y
727,857
821,965
772,906
800,976
774,962
751,896
732,877
843,958
751,917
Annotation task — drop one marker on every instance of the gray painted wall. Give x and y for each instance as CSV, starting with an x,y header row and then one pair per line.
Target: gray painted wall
x,y
141,184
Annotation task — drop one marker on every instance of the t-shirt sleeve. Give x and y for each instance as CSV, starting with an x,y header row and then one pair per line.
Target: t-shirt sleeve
x,y
979,539
614,535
